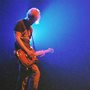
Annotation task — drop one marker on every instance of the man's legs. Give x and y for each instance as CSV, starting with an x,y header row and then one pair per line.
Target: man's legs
x,y
22,83
25,83
35,76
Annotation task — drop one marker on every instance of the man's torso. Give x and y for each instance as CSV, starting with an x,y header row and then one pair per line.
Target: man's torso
x,y
25,29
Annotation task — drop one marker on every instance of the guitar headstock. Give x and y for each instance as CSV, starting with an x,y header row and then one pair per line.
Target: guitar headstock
x,y
50,50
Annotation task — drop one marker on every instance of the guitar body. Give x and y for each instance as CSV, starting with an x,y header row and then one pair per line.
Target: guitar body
x,y
26,60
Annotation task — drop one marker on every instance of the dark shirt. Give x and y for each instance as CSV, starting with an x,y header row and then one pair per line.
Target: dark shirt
x,y
24,27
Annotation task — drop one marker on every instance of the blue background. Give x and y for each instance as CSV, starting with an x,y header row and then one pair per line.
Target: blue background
x,y
64,26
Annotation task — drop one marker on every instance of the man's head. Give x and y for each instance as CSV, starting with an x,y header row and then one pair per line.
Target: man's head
x,y
33,15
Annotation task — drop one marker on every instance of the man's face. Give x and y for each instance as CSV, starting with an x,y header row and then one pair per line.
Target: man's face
x,y
34,16
32,19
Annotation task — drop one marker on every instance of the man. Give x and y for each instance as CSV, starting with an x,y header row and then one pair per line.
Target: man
x,y
25,54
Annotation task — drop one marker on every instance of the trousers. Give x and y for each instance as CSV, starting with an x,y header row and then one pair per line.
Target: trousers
x,y
28,79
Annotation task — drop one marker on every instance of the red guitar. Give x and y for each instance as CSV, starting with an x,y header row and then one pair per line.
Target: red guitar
x,y
27,60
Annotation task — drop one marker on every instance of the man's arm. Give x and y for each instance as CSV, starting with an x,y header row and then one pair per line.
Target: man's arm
x,y
18,39
30,53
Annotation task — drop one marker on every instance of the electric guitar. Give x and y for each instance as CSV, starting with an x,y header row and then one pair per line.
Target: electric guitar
x,y
27,60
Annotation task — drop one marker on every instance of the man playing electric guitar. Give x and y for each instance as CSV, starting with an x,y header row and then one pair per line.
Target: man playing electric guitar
x,y
26,55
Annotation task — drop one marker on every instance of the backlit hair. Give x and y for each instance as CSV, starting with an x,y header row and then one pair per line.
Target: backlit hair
x,y
34,12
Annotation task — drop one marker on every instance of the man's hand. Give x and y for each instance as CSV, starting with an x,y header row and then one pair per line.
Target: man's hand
x,y
40,53
30,53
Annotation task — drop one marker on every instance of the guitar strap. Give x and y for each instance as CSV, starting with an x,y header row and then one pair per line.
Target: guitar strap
x,y
33,44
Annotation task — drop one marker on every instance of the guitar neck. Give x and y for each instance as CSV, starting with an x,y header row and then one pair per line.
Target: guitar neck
x,y
46,51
